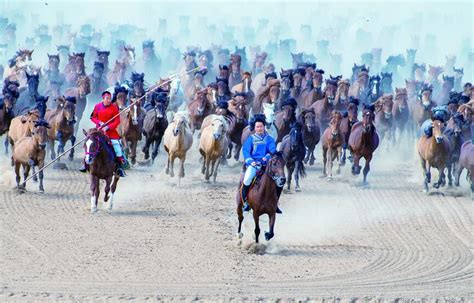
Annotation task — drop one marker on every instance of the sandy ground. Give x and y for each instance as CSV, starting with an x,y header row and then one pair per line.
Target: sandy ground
x,y
335,242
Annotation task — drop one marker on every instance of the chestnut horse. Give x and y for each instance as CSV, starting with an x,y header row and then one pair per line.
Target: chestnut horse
x,y
363,141
198,109
332,142
263,195
400,114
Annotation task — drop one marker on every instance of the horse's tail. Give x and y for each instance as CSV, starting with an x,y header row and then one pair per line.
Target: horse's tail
x,y
301,169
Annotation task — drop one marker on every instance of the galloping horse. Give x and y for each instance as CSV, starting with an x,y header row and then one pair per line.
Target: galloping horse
x,y
294,152
332,143
311,133
130,129
213,145
154,127
263,195
400,114
100,157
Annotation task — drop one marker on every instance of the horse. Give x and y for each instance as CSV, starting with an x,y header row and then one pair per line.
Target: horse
x,y
154,127
238,106
138,89
189,64
434,152
100,157
454,133
286,81
373,92
16,69
117,75
127,56
433,79
446,88
356,70
213,144
103,57
263,195
75,69
467,112
198,109
269,94
235,75
244,87
80,92
6,114
313,93
311,133
27,99
466,161
324,107
349,118
30,152
22,126
130,129
386,83
98,79
341,100
298,75
283,121
383,116
61,122
294,152
177,140
332,142
363,141
421,110
52,73
400,114
198,84
358,89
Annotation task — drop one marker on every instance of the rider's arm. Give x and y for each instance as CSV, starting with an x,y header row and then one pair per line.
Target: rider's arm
x,y
247,150
271,148
95,117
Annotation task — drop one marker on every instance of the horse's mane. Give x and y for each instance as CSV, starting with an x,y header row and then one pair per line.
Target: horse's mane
x,y
223,120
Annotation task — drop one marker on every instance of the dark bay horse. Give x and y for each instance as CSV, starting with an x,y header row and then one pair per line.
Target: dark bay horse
x,y
100,157
311,133
154,127
294,152
263,196
349,118
198,109
285,118
324,107
363,141
238,106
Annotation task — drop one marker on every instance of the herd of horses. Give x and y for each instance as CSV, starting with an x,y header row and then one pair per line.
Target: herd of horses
x,y
350,118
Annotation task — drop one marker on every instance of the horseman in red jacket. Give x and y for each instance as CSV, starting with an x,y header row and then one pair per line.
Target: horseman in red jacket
x,y
103,112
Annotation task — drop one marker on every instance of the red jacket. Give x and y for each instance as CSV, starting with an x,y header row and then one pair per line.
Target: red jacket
x,y
103,114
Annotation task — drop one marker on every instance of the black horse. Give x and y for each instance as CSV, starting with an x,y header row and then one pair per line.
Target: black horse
x,y
294,151
155,123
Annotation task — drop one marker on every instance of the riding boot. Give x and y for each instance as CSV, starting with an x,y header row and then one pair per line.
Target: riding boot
x,y
244,193
120,166
279,190
84,167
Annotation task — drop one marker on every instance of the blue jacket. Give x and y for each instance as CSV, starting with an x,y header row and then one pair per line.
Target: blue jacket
x,y
258,149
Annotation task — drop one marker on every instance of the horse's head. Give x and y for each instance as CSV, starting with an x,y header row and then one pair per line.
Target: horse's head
x,y
165,84
296,136
426,95
296,58
352,109
138,83
335,123
411,53
83,84
201,101
298,76
40,133
318,78
79,62
286,79
8,102
450,60
133,113
448,83
274,90
458,73
53,61
129,55
103,56
467,112
386,105
434,72
199,80
223,71
438,130
342,92
219,127
374,85
367,118
289,108
180,123
98,70
68,106
189,61
330,90
276,169
308,118
235,61
419,70
386,81
246,81
457,124
32,82
239,103
401,99
41,105
222,86
92,144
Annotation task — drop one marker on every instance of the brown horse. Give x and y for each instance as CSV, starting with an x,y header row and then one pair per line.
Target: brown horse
x,y
100,157
363,141
130,129
332,142
238,106
198,109
309,95
197,85
177,140
466,161
324,107
467,112
213,145
244,87
30,152
434,152
400,114
383,116
22,126
235,75
263,196
348,120
117,74
421,110
62,122
283,121
75,69
311,133
80,92
359,89
6,113
341,101
269,94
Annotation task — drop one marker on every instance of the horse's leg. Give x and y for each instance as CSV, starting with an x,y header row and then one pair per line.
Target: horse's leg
x,y
146,148
450,173
256,217
203,167
229,151
133,149
297,175
172,158
40,175
26,172
312,158
237,151
457,175
270,234
157,145
240,214
51,148
325,161
329,164
367,168
355,165
214,169
290,169
113,188
107,188
17,175
94,193
71,153
168,160
338,157
208,162
441,178
181,169
31,163
343,159
5,143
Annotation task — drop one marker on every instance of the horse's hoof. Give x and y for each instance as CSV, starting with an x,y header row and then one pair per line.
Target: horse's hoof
x,y
134,161
167,171
93,210
41,190
171,174
268,236
436,185
329,178
35,179
297,189
240,235
109,207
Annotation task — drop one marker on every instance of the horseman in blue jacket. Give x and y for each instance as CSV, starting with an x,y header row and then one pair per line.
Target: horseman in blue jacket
x,y
257,151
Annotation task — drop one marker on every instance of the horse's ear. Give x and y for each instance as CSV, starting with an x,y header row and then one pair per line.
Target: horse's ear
x,y
84,132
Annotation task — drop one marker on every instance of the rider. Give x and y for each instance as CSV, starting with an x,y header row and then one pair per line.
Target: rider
x,y
102,113
257,151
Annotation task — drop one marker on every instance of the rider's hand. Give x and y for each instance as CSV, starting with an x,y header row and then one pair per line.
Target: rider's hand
x,y
101,124
253,163
105,128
